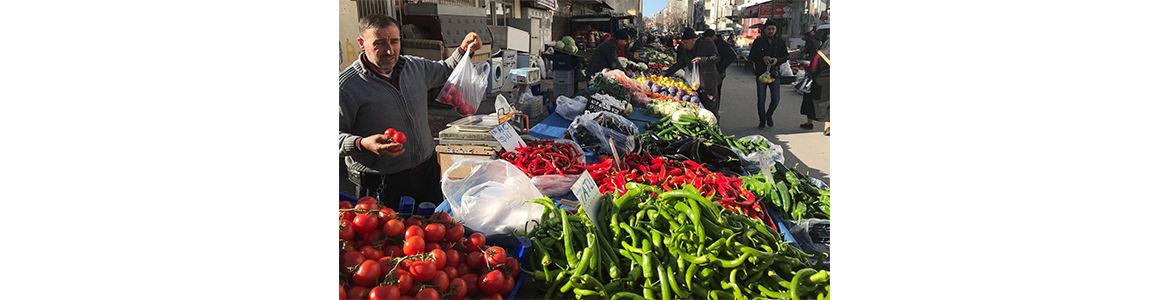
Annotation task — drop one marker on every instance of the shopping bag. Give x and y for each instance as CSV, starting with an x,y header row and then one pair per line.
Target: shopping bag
x,y
466,86
492,199
692,76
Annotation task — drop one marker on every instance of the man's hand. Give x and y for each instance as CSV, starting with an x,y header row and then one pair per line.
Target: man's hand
x,y
382,145
471,42
769,60
695,60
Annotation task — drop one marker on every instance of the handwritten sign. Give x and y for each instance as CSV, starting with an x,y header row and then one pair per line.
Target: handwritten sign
x,y
589,197
507,137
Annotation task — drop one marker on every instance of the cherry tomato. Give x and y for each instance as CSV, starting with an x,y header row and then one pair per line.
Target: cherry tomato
x,y
476,241
367,273
491,282
393,228
494,297
389,131
440,258
357,292
405,297
434,232
363,224
346,230
423,270
394,251
462,269
451,272
413,231
372,238
367,203
452,258
509,283
432,246
345,205
400,137
370,252
350,247
342,288
513,267
458,288
454,233
385,292
496,256
472,282
428,294
386,214
413,222
460,245
413,291
413,245
441,280
384,263
352,259
476,260
405,281
443,216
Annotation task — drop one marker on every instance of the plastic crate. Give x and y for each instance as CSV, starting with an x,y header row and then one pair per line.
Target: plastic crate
x,y
596,105
564,62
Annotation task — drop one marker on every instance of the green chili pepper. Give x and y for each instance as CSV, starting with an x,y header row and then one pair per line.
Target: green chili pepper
x,y
772,294
648,293
821,276
665,290
581,293
798,288
701,260
626,200
626,295
690,274
568,233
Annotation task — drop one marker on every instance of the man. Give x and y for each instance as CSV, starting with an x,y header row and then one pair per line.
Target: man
x,y
382,90
726,58
703,53
606,55
767,51
637,43
811,44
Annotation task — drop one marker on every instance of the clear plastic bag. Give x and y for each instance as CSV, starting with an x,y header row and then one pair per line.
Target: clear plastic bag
x,y
492,199
593,130
570,108
761,161
555,185
692,76
466,86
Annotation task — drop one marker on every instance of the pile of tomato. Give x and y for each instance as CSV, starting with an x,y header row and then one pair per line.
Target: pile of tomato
x,y
385,255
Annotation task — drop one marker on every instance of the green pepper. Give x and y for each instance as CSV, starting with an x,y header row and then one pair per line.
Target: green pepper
x,y
626,200
798,288
772,294
648,293
585,282
582,293
665,287
821,276
626,295
568,234
690,274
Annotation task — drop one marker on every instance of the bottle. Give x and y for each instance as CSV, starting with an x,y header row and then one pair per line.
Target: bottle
x,y
406,205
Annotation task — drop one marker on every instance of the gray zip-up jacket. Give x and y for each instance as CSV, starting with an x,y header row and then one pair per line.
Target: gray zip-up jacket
x,y
369,105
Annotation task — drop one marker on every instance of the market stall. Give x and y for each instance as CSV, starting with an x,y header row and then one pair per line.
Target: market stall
x,y
628,189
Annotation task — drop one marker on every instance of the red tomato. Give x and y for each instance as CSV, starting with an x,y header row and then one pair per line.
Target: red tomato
x,y
386,214
346,231
364,224
476,260
394,251
440,258
431,246
441,280
434,232
451,272
390,131
513,267
349,247
405,281
370,252
352,259
472,282
367,273
346,215
454,233
452,258
423,270
372,238
442,216
345,205
357,292
413,245
460,245
494,297
496,256
491,282
385,292
368,203
399,137
458,288
414,222
428,294
405,297
412,231
463,269
413,291
476,241
342,288
509,283
393,228
384,263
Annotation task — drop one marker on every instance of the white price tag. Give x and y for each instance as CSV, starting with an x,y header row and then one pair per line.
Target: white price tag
x,y
588,195
507,137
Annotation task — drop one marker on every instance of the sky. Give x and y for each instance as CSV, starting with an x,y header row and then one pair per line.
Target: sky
x,y
650,7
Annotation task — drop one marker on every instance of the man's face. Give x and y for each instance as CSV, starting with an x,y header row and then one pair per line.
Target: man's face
x,y
382,46
770,30
689,43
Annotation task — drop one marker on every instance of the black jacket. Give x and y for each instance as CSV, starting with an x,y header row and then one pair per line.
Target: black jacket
x,y
773,47
604,57
726,55
708,62
811,44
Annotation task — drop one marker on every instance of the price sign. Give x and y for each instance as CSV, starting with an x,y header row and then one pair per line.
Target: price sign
x,y
507,137
588,195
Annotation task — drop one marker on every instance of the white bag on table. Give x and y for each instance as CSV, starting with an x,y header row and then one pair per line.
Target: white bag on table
x,y
492,199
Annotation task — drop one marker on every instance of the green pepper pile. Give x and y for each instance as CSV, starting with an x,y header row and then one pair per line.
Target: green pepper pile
x,y
675,244
668,128
797,196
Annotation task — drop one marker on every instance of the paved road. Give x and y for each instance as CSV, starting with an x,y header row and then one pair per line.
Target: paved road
x,y
809,148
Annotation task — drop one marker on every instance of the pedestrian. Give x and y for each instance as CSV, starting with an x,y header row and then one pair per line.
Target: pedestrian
x,y
811,44
382,90
767,51
726,58
820,86
627,50
703,53
606,54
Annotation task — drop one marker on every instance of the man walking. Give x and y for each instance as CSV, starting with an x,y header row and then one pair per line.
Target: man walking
x,y
767,51
703,53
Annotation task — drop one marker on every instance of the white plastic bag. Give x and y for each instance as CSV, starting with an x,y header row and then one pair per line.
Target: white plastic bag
x,y
570,108
786,69
555,185
692,76
492,199
466,86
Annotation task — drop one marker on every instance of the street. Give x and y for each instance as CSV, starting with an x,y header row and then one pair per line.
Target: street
x,y
738,117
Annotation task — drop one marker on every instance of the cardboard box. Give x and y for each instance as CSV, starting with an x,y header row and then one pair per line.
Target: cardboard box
x,y
449,154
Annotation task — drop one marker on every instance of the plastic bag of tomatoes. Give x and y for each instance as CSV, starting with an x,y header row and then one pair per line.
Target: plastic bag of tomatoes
x,y
385,255
466,86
